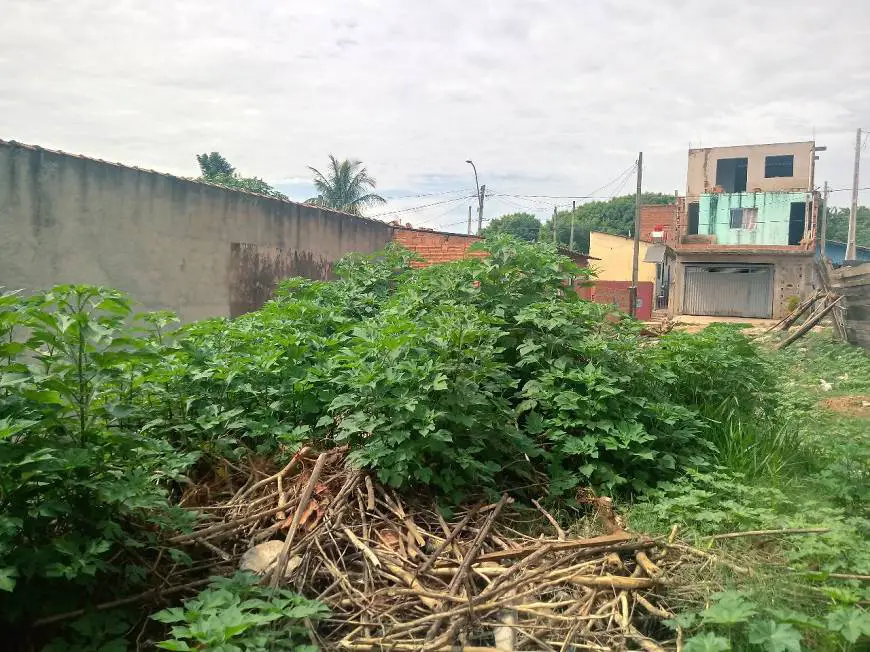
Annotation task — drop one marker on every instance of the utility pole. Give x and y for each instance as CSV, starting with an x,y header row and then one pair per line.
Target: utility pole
x,y
571,241
554,225
632,291
824,226
480,209
469,220
853,211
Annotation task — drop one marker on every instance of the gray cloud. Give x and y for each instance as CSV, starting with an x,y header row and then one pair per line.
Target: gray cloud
x,y
549,98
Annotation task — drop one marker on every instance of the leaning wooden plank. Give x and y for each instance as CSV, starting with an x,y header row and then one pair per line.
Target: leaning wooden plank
x,y
786,322
809,323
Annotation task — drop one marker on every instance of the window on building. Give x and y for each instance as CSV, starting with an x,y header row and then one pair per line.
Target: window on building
x,y
779,166
797,215
694,215
736,218
731,174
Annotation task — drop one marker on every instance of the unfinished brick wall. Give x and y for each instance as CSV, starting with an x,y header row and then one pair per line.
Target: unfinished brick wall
x,y
656,217
616,293
435,247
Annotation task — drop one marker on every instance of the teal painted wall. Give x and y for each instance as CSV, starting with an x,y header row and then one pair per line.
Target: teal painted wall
x,y
714,216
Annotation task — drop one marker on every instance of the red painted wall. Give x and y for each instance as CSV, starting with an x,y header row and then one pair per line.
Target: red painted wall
x,y
616,293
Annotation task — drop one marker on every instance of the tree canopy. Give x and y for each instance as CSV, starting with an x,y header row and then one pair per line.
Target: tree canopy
x,y
346,186
521,225
615,215
838,225
215,168
213,165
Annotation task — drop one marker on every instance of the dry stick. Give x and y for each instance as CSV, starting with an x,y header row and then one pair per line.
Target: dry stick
x,y
427,564
651,608
558,547
710,556
467,561
153,593
646,563
809,323
762,533
289,467
209,532
560,533
278,573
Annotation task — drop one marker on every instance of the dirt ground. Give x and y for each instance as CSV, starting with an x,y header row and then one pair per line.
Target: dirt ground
x,y
696,323
855,406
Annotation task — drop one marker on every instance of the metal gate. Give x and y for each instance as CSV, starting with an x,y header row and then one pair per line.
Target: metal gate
x,y
728,290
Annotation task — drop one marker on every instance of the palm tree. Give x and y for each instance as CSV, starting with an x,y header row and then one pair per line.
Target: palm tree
x,y
347,187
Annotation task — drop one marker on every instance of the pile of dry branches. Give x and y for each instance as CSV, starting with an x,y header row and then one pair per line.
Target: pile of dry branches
x,y
399,576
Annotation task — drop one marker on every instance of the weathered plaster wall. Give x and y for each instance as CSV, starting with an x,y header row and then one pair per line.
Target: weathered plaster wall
x,y
714,217
616,254
198,249
702,167
792,276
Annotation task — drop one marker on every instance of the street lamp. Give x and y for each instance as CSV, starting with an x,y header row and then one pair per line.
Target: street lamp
x,y
480,193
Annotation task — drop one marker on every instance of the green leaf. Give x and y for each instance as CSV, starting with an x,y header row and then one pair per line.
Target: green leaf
x,y
43,396
174,645
7,578
707,642
731,608
852,623
774,636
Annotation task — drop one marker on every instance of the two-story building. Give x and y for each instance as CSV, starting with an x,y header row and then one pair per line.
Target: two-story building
x,y
745,234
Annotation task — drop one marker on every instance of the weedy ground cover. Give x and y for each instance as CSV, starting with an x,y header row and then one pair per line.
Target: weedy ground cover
x,y
458,380
808,467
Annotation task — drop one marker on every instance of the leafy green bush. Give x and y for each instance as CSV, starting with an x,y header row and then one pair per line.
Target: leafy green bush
x,y
238,615
79,487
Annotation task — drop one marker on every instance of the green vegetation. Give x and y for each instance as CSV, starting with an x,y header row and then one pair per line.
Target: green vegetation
x,y
838,225
216,169
346,186
806,467
240,615
616,215
524,226
482,375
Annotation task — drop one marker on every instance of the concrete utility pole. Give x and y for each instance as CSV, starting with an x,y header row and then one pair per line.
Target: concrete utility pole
x,y
480,209
571,241
469,220
824,226
480,191
554,224
632,291
853,211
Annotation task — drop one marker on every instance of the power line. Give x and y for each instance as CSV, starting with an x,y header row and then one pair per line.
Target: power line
x,y
411,209
428,194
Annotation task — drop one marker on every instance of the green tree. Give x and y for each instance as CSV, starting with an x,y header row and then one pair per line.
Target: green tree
x,y
838,225
215,168
345,187
615,215
522,225
213,165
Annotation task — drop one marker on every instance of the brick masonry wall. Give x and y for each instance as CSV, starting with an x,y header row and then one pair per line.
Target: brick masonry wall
x,y
653,216
435,247
616,293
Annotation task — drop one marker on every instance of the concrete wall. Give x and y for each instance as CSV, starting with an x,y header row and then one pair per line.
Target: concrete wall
x,y
702,167
198,249
772,224
616,253
792,276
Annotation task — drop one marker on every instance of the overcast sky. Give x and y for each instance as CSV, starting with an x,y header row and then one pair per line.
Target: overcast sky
x,y
548,97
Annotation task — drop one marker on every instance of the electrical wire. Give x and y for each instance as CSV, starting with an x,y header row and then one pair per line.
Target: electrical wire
x,y
411,209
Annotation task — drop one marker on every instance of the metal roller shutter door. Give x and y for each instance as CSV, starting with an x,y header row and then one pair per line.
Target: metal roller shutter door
x,y
728,290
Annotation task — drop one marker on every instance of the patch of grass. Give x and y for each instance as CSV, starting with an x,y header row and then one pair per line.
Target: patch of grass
x,y
804,467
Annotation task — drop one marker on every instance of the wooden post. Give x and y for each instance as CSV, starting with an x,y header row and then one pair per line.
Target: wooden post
x,y
824,227
571,240
853,210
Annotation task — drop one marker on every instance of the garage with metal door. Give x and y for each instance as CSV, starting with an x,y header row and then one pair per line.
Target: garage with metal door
x,y
728,290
